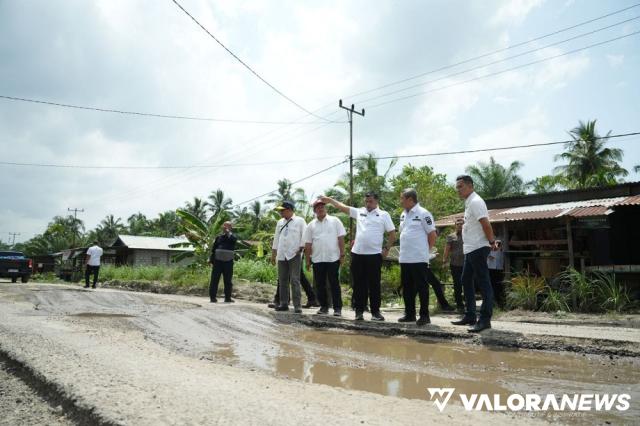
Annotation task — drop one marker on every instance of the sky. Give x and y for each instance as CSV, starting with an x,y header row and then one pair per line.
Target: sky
x,y
148,56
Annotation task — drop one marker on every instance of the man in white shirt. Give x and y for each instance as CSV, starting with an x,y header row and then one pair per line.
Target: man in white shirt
x,y
367,253
287,246
92,260
417,236
324,247
478,241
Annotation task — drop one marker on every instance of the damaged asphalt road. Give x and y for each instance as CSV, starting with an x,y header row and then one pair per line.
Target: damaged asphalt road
x,y
116,357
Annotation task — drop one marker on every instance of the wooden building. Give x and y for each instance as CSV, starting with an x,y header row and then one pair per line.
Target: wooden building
x,y
590,229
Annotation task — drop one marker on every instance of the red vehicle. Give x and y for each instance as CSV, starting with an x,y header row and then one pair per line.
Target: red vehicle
x,y
14,265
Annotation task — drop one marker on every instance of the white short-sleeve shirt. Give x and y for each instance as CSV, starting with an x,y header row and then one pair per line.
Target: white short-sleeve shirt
x,y
472,234
370,229
287,240
415,227
323,236
94,253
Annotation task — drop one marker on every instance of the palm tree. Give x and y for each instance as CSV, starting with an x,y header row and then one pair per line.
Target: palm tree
x,y
493,180
287,192
219,204
255,212
138,224
110,227
166,224
366,177
198,208
636,168
589,161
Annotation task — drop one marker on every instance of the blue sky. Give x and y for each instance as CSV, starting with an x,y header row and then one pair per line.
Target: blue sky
x,y
148,56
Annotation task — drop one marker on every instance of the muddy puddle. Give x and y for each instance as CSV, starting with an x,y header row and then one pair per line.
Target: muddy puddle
x,y
101,315
404,367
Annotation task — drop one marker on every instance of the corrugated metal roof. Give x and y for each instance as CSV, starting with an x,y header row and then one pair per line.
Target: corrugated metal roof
x,y
153,243
586,208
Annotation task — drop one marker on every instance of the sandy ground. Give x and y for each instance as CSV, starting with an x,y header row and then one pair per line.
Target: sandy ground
x,y
115,357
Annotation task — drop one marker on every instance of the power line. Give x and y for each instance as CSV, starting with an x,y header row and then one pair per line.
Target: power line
x,y
245,65
150,114
504,71
504,148
193,166
484,55
508,58
293,183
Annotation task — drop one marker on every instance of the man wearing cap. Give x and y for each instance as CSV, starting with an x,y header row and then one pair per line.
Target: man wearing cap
x,y
417,236
324,247
222,254
478,242
287,246
367,253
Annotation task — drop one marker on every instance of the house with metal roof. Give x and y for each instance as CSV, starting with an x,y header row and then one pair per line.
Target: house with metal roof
x,y
137,250
589,229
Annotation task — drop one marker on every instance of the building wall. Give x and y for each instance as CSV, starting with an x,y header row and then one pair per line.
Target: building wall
x,y
141,257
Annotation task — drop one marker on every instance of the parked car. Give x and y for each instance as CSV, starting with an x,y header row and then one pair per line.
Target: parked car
x,y
14,265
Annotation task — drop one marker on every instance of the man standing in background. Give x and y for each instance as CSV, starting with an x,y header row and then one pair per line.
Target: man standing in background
x,y
222,254
455,256
92,259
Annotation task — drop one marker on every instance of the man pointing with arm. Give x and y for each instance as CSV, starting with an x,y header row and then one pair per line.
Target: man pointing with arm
x,y
367,252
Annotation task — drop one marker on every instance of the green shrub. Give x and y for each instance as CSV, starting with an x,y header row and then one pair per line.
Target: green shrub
x,y
581,289
554,301
525,291
610,295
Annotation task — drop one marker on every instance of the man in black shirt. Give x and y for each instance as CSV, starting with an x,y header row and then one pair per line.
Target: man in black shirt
x,y
221,258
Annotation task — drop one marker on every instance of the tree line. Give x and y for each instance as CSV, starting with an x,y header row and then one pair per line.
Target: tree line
x,y
586,161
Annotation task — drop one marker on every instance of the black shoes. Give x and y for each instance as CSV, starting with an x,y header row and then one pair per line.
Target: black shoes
x,y
377,316
447,308
272,305
297,310
282,308
311,304
479,326
323,311
465,321
337,313
214,300
406,319
229,300
359,316
423,321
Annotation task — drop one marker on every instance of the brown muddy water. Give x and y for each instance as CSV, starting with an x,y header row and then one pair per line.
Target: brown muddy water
x,y
406,368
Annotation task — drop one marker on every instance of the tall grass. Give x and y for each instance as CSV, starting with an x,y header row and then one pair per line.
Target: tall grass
x,y
525,292
611,295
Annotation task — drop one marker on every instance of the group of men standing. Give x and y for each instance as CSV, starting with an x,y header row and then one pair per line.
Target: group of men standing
x,y
322,242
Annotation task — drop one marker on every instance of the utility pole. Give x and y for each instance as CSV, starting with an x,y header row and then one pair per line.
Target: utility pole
x,y
75,218
350,112
13,237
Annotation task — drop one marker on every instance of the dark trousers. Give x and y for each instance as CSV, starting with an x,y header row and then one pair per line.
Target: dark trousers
x,y
323,272
497,284
414,278
365,270
306,286
224,269
475,269
88,272
456,274
437,287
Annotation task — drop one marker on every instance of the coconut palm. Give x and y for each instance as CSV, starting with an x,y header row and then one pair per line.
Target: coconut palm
x,y
589,161
166,224
110,227
287,192
493,180
138,224
218,204
366,177
197,208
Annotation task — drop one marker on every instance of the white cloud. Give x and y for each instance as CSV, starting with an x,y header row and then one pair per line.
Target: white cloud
x,y
615,60
514,12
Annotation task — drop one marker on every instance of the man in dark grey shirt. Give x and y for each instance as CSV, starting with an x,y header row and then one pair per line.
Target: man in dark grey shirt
x,y
454,254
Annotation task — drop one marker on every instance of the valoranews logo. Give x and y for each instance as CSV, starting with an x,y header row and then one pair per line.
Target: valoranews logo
x,y
532,402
